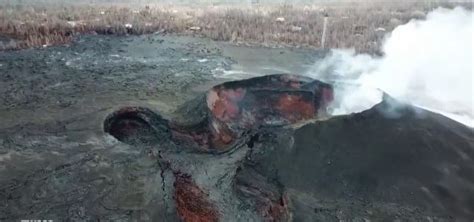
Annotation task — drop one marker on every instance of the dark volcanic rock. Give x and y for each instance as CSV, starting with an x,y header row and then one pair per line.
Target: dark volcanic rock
x,y
389,163
57,163
392,161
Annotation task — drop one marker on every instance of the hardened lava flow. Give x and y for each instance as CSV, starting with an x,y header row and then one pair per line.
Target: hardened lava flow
x,y
228,115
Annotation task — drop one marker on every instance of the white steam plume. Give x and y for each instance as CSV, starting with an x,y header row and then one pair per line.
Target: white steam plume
x,y
426,62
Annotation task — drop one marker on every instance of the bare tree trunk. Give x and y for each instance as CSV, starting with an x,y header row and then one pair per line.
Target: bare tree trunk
x,y
323,37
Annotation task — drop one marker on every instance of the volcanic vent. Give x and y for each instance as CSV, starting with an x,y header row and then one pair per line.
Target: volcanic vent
x,y
232,111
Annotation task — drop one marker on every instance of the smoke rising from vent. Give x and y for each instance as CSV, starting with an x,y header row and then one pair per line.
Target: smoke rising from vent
x,y
427,63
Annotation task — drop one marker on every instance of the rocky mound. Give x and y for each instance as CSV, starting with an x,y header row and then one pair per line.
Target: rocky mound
x,y
393,161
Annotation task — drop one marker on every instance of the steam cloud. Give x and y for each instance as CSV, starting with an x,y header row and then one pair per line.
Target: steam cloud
x,y
427,63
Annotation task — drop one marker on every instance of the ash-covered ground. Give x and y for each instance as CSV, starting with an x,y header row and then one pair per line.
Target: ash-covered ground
x,y
56,162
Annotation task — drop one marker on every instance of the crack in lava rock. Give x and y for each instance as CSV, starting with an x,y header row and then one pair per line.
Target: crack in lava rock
x,y
192,202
